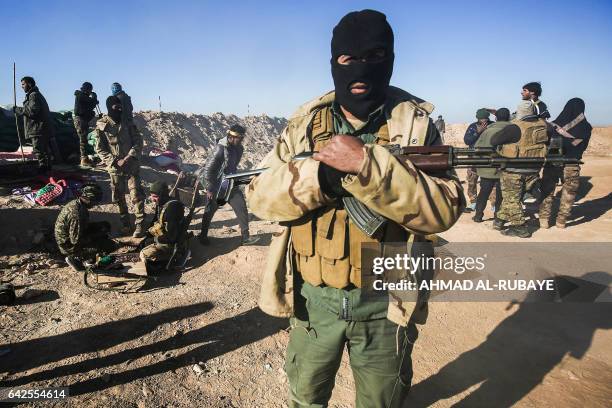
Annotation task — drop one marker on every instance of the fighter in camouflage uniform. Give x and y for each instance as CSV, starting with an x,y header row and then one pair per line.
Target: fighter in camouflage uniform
x,y
166,230
320,246
515,181
76,237
119,146
472,134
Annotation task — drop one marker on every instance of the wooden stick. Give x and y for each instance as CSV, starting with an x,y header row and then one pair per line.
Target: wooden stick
x,y
14,105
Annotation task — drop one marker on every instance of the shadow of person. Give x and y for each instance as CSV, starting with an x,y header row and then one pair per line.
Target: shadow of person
x,y
218,246
520,351
211,341
590,210
17,222
163,280
231,222
38,296
200,254
34,353
584,187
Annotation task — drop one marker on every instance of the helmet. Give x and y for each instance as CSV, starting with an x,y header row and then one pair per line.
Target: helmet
x,y
160,188
92,193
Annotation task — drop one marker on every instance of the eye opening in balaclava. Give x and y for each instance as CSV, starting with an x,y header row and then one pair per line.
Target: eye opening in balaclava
x,y
115,114
359,34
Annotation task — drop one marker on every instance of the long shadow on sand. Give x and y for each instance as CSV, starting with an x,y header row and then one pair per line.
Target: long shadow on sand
x,y
518,353
210,341
220,246
590,210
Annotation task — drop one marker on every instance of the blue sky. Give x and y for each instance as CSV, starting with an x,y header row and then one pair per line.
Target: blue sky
x,y
213,56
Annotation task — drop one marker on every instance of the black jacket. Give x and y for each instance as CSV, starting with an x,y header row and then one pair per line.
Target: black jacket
x,y
223,160
36,115
127,110
84,105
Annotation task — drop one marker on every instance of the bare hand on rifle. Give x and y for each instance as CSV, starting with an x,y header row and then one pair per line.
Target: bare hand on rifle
x,y
122,162
343,153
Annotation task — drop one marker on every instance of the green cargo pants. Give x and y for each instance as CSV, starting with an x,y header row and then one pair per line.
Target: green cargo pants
x,y
380,357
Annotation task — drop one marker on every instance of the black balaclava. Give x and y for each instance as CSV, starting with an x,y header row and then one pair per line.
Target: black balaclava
x,y
358,33
115,114
87,87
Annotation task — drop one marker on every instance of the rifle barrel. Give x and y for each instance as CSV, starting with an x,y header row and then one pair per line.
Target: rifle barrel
x,y
520,162
443,158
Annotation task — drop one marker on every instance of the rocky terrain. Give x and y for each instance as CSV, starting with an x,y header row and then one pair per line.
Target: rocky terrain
x,y
197,338
192,136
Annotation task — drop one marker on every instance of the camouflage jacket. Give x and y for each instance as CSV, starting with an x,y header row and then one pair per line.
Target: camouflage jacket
x,y
70,226
117,141
167,224
288,190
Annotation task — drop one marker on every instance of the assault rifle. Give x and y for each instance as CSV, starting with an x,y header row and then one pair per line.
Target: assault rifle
x,y
425,158
184,236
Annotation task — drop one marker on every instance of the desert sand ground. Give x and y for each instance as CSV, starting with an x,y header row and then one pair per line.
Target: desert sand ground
x,y
140,349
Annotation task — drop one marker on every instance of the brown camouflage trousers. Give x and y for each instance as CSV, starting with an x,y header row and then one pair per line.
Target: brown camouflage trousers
x,y
120,185
570,175
81,126
512,186
531,180
472,182
472,190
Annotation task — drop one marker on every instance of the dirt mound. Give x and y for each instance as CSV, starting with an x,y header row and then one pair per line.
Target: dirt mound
x,y
454,134
601,142
191,136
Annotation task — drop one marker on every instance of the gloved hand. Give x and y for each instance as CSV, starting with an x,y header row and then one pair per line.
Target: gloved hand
x,y
330,181
17,110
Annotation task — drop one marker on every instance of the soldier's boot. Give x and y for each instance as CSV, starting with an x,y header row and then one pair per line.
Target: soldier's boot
x,y
470,208
85,162
498,224
560,222
7,294
203,237
477,217
75,263
126,227
139,231
248,240
528,198
520,231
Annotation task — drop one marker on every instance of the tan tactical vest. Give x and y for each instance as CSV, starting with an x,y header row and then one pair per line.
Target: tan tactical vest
x,y
327,244
532,143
